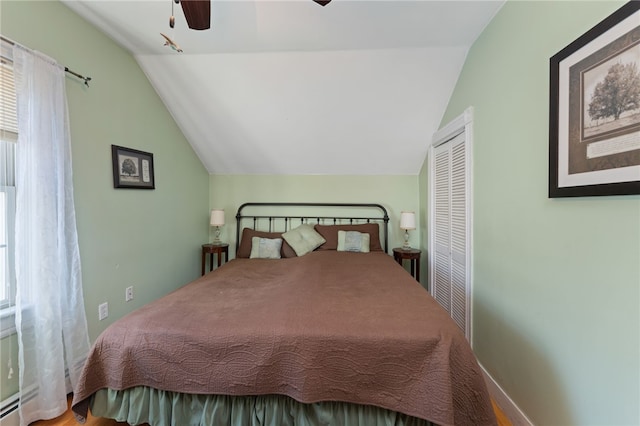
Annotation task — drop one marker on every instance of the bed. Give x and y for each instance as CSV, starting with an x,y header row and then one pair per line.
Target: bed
x,y
333,333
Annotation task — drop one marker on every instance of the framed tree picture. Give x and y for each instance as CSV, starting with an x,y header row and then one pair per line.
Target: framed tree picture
x,y
594,110
132,168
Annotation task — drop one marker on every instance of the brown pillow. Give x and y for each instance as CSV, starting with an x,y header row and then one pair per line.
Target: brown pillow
x,y
244,251
330,233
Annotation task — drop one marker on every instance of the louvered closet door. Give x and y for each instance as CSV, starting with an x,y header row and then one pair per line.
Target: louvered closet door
x,y
450,267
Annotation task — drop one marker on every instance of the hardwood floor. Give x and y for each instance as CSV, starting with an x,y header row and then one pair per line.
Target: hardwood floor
x,y
502,419
67,419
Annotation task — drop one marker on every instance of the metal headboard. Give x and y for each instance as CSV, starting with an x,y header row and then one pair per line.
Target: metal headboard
x,y
290,221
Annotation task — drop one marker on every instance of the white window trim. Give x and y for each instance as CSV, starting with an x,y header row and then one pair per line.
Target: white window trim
x,y
7,321
7,308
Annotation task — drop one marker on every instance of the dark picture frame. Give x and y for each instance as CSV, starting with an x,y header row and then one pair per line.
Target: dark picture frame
x,y
132,168
594,110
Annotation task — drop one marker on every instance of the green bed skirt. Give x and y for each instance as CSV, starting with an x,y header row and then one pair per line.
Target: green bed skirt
x,y
141,405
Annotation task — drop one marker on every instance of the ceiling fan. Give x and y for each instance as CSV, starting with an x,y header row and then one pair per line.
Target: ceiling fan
x,y
198,13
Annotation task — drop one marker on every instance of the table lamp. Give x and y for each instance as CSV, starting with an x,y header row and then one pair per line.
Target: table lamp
x,y
217,220
407,222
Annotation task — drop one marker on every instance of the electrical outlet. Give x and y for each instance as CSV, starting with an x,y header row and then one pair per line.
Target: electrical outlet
x,y
128,294
103,311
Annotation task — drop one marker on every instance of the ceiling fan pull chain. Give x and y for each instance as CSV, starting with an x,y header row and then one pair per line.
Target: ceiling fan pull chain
x,y
172,19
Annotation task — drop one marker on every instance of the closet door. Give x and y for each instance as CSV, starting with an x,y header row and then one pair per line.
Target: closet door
x,y
450,268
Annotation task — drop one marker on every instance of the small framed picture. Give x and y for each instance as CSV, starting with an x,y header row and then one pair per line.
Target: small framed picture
x,y
132,168
594,110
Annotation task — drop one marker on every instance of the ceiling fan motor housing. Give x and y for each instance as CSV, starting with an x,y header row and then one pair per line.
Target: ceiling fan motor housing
x,y
197,13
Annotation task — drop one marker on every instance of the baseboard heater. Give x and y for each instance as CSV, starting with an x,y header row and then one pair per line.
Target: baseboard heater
x,y
9,415
9,406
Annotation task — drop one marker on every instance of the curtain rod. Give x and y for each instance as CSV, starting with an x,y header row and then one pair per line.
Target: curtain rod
x,y
66,69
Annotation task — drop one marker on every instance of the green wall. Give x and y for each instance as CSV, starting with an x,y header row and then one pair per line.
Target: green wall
x,y
146,238
556,303
395,193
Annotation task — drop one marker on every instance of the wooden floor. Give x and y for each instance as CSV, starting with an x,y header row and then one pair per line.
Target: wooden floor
x,y
67,419
502,419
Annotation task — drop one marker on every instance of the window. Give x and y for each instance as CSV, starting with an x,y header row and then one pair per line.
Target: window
x,y
8,140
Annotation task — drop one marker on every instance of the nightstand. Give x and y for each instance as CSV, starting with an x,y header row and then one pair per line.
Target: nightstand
x,y
218,249
400,254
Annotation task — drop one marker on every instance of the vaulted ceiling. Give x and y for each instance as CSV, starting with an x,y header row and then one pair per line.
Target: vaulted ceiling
x,y
289,87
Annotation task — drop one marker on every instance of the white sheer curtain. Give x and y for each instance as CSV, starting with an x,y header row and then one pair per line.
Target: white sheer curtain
x,y
50,317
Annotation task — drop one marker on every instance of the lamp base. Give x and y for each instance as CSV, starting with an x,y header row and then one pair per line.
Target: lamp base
x,y
406,245
216,239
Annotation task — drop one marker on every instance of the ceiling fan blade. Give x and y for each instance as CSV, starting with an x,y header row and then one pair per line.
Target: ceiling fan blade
x,y
322,2
197,13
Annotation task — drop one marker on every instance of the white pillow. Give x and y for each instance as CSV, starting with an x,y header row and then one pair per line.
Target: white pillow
x,y
265,248
303,239
353,241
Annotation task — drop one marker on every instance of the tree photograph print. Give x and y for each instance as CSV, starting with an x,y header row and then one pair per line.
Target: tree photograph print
x,y
611,109
615,95
128,169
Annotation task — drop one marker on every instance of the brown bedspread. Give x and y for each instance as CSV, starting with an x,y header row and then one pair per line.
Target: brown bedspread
x,y
328,326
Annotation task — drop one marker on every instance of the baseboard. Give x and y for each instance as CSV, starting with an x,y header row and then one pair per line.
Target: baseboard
x,y
506,404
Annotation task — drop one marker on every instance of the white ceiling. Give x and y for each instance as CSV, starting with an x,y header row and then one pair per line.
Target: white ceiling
x,y
290,87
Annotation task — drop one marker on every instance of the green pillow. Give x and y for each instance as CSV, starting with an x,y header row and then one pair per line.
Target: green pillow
x,y
353,241
265,248
303,239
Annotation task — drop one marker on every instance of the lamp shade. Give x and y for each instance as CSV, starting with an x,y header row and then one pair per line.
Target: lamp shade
x,y
407,220
217,217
